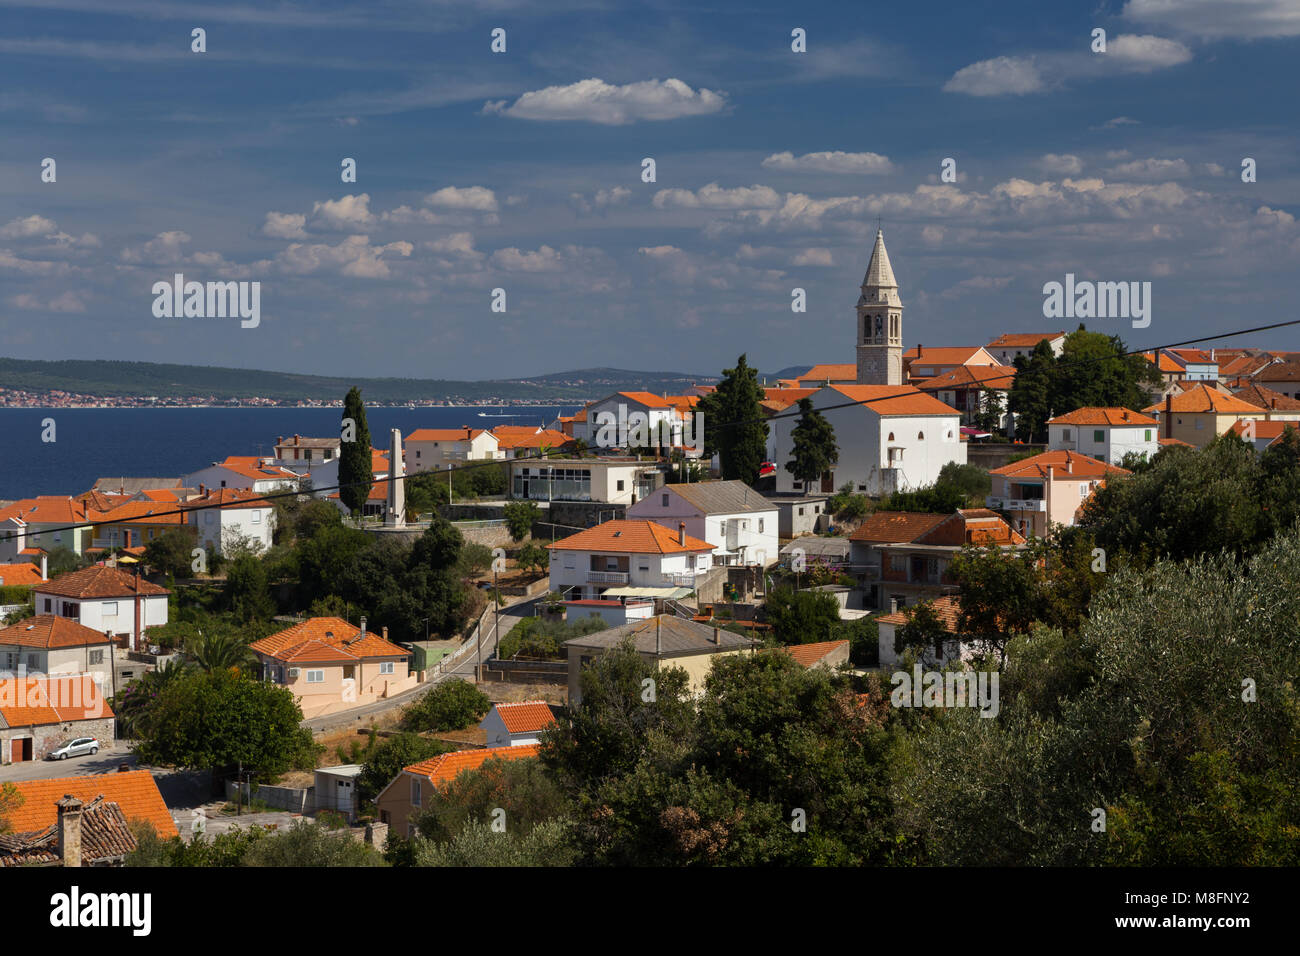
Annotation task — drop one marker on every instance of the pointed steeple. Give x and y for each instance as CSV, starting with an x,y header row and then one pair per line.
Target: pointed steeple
x,y
879,272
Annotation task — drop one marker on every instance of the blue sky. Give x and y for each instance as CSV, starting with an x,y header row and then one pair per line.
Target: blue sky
x,y
522,171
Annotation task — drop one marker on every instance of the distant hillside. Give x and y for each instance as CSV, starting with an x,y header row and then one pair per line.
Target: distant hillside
x,y
124,379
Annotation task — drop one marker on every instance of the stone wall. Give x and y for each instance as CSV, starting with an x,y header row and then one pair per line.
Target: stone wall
x,y
49,736
995,455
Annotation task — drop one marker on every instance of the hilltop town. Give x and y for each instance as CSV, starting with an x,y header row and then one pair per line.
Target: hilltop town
x,y
730,625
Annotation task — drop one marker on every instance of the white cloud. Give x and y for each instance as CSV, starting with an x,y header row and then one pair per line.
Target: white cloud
x,y
473,198
284,225
1119,121
28,228
456,244
999,76
1212,169
831,162
714,196
602,199
1278,218
512,259
162,249
659,252
595,101
1246,19
1152,169
1142,54
354,257
814,257
1062,164
64,302
347,213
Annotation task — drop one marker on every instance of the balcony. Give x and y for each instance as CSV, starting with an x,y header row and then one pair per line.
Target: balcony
x,y
679,579
607,577
1016,504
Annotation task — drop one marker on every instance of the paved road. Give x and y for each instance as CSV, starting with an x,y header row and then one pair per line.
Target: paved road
x,y
510,615
106,761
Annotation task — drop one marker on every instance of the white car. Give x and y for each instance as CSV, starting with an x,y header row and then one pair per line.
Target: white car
x,y
74,748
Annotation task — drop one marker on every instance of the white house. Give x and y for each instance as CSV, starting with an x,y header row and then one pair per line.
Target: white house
x,y
1007,348
612,421
641,554
926,362
1107,434
225,517
890,438
517,725
105,599
46,522
739,522
613,613
427,449
620,481
246,474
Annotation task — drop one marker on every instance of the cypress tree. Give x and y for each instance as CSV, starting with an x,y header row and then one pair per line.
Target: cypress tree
x,y
355,472
815,450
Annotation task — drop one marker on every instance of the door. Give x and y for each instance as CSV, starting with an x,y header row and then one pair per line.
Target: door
x,y
828,482
20,749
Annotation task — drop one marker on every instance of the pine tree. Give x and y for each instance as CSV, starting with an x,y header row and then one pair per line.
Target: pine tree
x,y
355,472
733,423
1031,392
815,450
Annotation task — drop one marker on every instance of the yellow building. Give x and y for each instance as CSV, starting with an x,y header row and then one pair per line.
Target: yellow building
x,y
1201,414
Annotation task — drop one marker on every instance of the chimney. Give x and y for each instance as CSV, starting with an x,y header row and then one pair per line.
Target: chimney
x,y
893,605
385,632
1169,415
202,489
681,533
1272,404
70,830
1125,415
45,567
717,636
363,627
919,350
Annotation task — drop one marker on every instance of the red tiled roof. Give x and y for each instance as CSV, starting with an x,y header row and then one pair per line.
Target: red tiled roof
x,y
895,400
1022,340
1271,430
998,377
98,582
1280,372
895,527
36,701
1064,464
321,640
21,574
1257,394
1103,416
51,632
521,436
445,434
944,355
445,767
630,537
1203,399
47,509
947,609
807,655
134,791
977,526
832,372
228,498
525,717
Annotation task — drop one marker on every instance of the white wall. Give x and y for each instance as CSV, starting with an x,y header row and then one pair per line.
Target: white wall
x,y
1117,440
256,524
108,614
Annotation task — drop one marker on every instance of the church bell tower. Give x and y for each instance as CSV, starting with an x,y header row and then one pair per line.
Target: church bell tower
x,y
880,322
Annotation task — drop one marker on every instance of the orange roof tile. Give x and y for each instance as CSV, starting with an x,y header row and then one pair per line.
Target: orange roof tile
x,y
947,609
895,527
1203,399
520,436
525,717
977,526
1064,464
20,574
894,400
629,537
1174,441
445,767
1271,430
998,377
1023,340
134,791
1103,416
648,399
51,632
325,639
99,582
807,655
47,509
943,355
445,434
1280,372
1257,394
34,701
142,512
1165,364
830,372
228,498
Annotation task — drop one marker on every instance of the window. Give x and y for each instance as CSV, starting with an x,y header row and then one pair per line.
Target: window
x,y
1098,435
33,662
1065,434
257,516
415,793
920,436
1083,490
11,660
663,500
207,517
760,525
109,608
1148,438
1200,423
95,657
620,485
800,515
891,436
315,677
386,667
48,602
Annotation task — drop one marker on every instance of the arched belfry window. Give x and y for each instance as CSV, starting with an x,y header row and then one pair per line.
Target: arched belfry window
x,y
920,436
891,436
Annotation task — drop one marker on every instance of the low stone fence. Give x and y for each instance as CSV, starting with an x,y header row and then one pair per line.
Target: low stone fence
x,y
525,672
